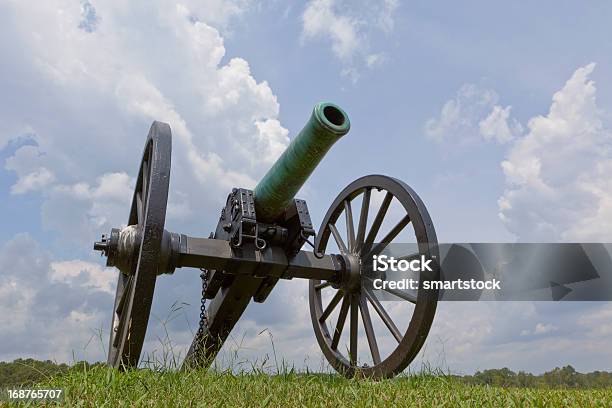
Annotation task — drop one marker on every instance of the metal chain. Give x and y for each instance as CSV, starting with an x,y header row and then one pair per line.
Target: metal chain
x,y
203,314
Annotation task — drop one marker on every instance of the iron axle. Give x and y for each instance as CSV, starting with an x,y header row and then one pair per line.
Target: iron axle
x,y
182,251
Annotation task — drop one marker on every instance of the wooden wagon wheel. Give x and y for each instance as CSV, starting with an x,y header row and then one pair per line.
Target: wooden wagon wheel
x,y
357,245
138,270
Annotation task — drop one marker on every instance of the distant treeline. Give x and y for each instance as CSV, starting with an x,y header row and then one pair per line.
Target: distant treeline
x,y
22,372
559,377
29,371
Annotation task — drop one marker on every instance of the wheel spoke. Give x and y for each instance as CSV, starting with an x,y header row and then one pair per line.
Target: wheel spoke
x,y
350,229
139,208
124,295
323,285
117,334
411,257
145,181
338,239
389,237
120,328
369,329
363,219
384,316
380,216
354,327
340,324
332,305
409,297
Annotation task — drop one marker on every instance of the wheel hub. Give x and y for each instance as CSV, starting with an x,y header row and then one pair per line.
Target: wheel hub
x,y
120,247
351,277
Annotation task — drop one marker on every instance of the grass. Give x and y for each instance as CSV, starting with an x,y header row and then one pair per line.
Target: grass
x,y
101,386
268,383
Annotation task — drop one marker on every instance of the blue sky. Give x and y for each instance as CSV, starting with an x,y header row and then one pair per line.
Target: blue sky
x,y
497,114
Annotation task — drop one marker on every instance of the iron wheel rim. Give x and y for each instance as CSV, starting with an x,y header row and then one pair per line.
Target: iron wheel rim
x,y
134,294
422,317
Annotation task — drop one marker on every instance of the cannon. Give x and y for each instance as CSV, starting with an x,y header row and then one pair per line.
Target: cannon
x,y
258,240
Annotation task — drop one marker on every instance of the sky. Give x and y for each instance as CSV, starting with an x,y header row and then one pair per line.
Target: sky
x,y
497,114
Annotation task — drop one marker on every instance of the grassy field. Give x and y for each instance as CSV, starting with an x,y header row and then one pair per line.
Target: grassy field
x,y
101,386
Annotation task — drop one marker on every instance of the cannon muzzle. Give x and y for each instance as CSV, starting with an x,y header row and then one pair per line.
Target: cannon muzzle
x,y
278,187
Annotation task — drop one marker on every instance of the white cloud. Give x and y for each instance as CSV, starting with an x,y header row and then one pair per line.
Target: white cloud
x,y
50,310
105,85
557,175
460,116
79,211
86,273
385,17
271,140
540,329
557,188
556,169
513,334
543,328
374,60
102,85
349,27
496,127
35,180
321,21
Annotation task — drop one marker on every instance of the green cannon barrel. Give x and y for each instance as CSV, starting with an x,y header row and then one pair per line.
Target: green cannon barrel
x,y
279,186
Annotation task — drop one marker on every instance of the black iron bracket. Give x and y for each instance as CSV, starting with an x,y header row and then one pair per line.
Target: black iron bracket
x,y
242,225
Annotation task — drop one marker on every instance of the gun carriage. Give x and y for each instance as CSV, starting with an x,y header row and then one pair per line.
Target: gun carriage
x,y
257,241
